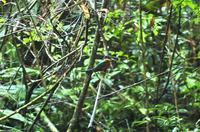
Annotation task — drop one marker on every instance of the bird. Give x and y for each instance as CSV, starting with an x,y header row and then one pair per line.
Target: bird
x,y
102,66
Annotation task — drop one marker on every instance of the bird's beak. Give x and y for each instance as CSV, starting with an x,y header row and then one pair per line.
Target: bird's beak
x,y
112,59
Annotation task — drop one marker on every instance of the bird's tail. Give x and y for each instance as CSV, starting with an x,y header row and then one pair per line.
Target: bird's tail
x,y
89,70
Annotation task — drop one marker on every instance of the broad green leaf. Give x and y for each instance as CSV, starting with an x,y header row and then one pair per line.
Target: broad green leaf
x,y
190,82
16,116
143,111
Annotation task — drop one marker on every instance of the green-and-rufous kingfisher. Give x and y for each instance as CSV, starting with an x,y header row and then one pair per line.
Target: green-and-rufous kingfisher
x,y
102,66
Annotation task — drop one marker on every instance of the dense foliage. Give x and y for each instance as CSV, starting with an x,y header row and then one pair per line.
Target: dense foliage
x,y
152,85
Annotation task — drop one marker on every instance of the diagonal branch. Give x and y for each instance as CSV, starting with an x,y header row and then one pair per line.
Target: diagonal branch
x,y
77,111
95,104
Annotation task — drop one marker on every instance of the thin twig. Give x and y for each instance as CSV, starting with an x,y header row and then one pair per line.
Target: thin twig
x,y
47,121
35,99
77,111
95,104
6,29
143,49
160,69
132,85
173,55
49,97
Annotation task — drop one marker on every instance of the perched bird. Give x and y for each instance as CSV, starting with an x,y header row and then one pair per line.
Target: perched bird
x,y
102,66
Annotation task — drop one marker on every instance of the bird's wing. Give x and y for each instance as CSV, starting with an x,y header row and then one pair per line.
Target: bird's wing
x,y
89,70
99,66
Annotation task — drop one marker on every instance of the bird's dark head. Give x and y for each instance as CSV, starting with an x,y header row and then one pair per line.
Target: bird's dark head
x,y
107,59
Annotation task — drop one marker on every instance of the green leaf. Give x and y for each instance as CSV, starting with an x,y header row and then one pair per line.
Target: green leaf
x,y
4,1
16,116
190,82
114,73
138,123
143,111
2,20
183,111
108,82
